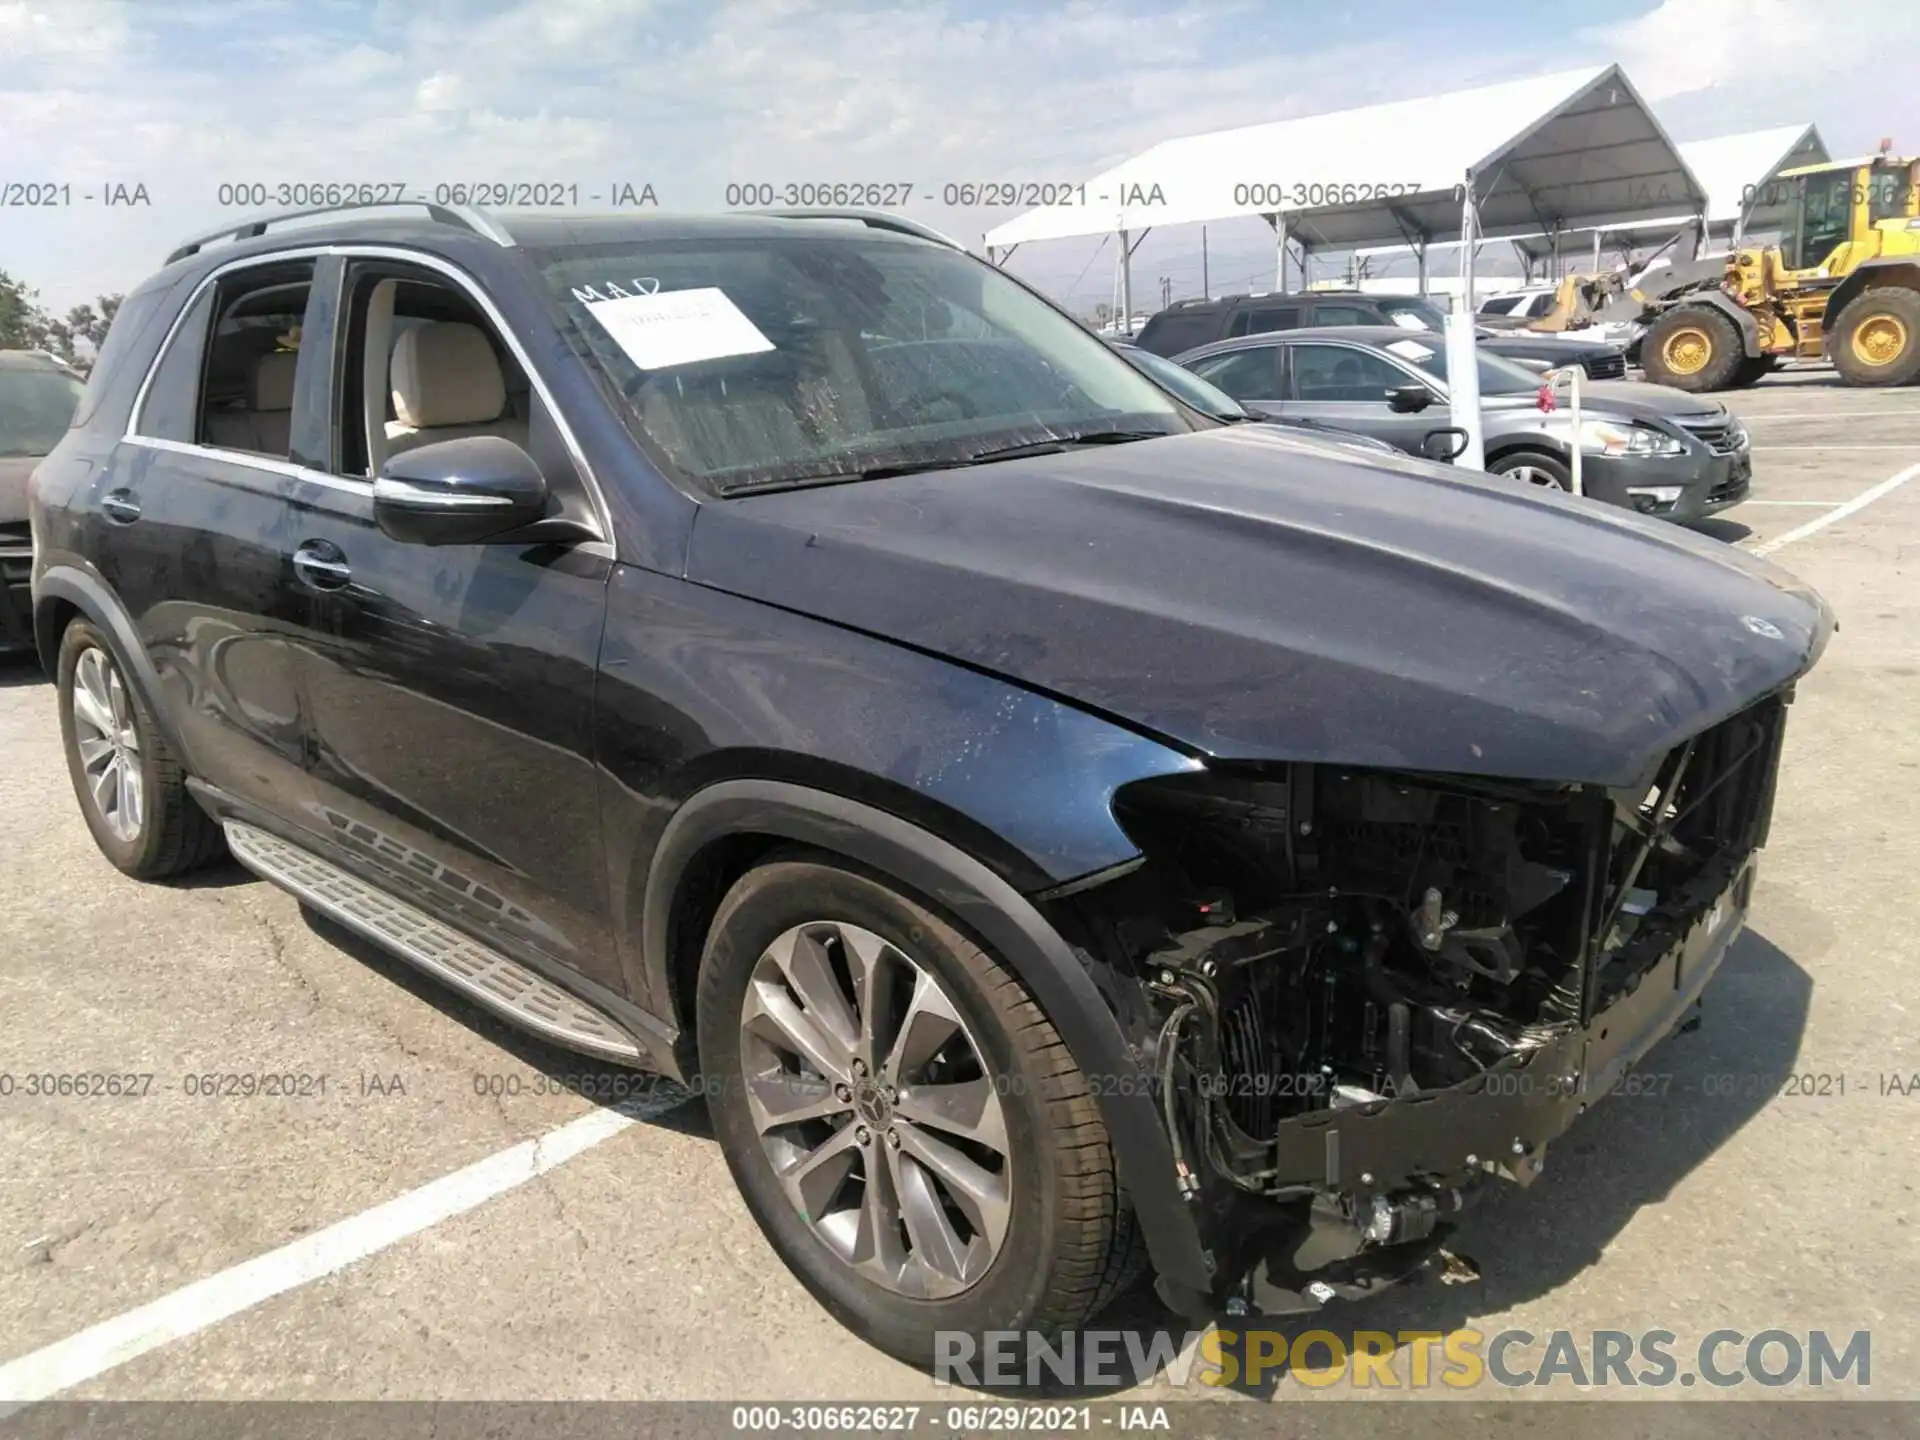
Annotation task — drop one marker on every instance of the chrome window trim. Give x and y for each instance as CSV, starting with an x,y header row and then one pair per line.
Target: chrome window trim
x,y
603,514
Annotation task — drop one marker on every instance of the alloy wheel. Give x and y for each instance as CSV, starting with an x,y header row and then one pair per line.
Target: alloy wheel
x,y
109,743
876,1110
1534,475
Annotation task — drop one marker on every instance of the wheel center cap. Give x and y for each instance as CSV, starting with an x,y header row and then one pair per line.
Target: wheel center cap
x,y
871,1104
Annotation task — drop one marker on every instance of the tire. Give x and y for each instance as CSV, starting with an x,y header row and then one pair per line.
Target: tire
x,y
143,819
1750,371
1876,340
1066,1244
1693,348
1534,467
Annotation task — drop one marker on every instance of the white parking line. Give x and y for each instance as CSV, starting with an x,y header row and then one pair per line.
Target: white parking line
x,y
100,1348
1811,504
1908,413
1909,445
1840,512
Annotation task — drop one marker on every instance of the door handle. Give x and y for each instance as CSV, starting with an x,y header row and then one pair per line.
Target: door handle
x,y
120,506
321,565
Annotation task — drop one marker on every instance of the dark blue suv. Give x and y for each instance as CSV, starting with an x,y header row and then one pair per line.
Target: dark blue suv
x,y
1057,830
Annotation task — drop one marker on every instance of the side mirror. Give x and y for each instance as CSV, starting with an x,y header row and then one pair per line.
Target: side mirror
x,y
459,492
1447,443
1409,399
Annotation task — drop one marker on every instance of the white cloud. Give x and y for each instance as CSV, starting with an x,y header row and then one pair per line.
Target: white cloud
x,y
691,95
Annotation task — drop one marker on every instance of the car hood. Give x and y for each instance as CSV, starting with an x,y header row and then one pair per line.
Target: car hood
x,y
1643,401
1247,595
1541,346
14,472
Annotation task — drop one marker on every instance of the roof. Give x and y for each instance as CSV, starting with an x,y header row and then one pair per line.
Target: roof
x,y
1578,147
1365,334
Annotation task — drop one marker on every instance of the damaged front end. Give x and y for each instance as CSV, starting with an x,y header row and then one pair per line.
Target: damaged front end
x,y
1364,992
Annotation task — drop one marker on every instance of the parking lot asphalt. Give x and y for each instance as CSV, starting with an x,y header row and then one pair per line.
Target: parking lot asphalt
x,y
1747,1190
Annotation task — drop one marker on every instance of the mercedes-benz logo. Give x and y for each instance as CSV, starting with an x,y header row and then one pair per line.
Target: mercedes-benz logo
x,y
1761,627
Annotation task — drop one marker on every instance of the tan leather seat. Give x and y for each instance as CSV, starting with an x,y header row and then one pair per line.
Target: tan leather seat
x,y
265,427
447,385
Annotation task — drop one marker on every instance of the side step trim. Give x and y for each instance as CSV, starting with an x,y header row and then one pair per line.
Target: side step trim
x,y
503,985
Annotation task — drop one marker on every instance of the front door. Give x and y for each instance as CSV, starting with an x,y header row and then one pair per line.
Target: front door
x,y
1346,387
450,689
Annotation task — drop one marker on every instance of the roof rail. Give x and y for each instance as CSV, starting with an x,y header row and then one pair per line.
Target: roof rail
x,y
874,219
464,216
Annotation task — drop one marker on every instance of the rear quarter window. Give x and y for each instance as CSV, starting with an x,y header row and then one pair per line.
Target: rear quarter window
x,y
136,330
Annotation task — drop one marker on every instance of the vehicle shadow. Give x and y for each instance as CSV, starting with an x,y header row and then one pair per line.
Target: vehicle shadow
x,y
1729,531
1630,1151
21,669
652,1099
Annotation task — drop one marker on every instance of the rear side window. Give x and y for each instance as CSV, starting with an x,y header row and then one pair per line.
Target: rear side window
x,y
130,333
226,379
1243,374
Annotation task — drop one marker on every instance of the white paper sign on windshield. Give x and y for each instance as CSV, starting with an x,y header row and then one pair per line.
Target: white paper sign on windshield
x,y
1410,350
678,327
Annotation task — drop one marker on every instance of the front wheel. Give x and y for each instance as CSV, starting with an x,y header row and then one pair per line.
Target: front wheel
x,y
1532,467
904,1123
1693,348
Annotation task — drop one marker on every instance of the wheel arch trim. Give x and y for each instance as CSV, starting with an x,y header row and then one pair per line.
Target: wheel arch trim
x,y
1743,321
1001,917
97,603
1866,276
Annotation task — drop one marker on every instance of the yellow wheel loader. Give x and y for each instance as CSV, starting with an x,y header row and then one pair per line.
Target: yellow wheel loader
x,y
1843,284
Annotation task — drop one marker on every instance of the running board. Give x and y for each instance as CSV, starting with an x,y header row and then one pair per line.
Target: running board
x,y
511,990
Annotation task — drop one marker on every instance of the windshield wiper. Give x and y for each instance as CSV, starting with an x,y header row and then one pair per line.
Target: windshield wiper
x,y
988,456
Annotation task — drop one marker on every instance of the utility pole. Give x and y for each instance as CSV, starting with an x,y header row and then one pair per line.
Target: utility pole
x,y
1206,290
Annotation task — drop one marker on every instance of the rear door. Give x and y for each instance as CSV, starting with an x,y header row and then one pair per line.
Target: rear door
x,y
449,689
190,525
1346,386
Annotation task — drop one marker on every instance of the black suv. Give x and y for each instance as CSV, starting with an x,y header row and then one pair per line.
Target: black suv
x,y
1056,828
1188,324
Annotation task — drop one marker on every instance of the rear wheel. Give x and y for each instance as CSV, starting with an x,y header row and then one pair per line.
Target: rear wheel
x,y
1876,340
1692,348
131,786
904,1123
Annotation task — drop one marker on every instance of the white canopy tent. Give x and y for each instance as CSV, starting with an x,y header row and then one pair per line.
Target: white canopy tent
x,y
1564,151
1736,171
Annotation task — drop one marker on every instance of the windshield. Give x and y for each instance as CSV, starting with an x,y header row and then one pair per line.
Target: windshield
x,y
1202,395
36,407
1820,221
1412,312
1498,375
757,360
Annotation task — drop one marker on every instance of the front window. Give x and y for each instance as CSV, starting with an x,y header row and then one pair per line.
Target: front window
x,y
1820,221
759,360
36,406
1498,375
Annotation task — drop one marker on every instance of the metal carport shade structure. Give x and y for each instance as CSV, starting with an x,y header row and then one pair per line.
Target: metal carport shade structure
x,y
1734,169
1572,150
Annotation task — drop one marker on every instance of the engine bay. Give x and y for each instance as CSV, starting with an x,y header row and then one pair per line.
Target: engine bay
x,y
1312,946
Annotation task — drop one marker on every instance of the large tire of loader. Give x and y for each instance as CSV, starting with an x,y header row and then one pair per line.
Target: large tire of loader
x,y
1876,340
1693,348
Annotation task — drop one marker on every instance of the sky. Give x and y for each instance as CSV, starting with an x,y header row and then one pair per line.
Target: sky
x,y
182,97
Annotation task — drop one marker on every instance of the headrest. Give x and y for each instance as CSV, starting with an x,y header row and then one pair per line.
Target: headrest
x,y
273,380
446,374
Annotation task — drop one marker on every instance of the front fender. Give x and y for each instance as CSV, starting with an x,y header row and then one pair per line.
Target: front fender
x,y
1002,919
